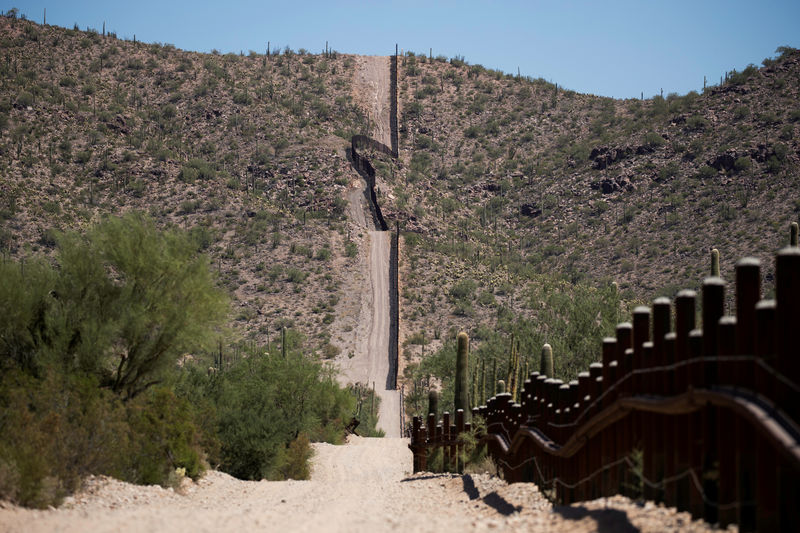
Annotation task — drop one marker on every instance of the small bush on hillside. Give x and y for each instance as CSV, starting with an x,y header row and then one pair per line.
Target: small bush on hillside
x,y
25,99
654,140
196,169
742,163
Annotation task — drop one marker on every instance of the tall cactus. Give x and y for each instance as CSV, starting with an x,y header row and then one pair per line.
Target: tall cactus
x,y
433,403
483,382
793,234
494,375
546,365
462,373
715,262
283,342
501,386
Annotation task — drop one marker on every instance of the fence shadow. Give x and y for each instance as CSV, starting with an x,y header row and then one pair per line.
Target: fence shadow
x,y
607,520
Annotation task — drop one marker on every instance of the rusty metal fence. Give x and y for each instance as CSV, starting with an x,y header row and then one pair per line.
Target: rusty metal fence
x,y
705,420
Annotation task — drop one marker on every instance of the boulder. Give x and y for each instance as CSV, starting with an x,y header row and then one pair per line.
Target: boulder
x,y
530,210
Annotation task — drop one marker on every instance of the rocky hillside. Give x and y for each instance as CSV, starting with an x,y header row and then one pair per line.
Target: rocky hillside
x,y
507,179
505,187
247,152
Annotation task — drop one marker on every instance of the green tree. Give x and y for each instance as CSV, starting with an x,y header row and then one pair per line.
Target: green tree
x,y
126,301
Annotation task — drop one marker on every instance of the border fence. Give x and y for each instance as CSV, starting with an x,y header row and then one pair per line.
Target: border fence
x,y
705,420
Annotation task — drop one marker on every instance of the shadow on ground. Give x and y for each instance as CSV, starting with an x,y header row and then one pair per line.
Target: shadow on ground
x,y
607,520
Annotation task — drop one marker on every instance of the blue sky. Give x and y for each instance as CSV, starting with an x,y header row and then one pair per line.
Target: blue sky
x,y
610,48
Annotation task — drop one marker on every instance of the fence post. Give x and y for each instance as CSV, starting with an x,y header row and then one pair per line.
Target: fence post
x,y
748,293
671,440
766,463
728,433
787,314
431,446
596,457
661,326
446,448
684,323
415,442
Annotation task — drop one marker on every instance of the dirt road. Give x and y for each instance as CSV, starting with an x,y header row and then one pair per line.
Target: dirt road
x,y
370,363
371,88
365,485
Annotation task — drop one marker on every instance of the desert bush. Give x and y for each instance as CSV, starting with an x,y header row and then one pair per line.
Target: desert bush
x,y
125,302
61,427
742,164
654,140
196,169
264,403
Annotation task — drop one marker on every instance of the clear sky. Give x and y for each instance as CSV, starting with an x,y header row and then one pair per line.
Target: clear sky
x,y
611,48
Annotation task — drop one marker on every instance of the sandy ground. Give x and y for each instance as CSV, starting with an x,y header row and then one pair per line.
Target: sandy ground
x,y
364,485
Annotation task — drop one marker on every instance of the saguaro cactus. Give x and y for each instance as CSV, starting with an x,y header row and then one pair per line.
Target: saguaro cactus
x,y
433,403
715,262
546,365
501,386
462,373
793,234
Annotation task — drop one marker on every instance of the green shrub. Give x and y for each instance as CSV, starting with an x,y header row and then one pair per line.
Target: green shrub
x,y
463,290
125,302
696,123
264,403
242,98
741,112
742,164
707,172
196,169
654,140
60,428
25,99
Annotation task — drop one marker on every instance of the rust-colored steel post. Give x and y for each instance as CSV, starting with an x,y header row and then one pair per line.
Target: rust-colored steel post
x,y
609,355
624,432
743,374
700,430
430,446
661,326
579,418
748,293
713,310
641,335
659,382
684,323
623,357
416,449
766,461
787,320
424,449
459,449
727,433
650,425
596,455
446,456
671,426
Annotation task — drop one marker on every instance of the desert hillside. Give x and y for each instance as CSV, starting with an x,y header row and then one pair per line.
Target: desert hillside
x,y
504,185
